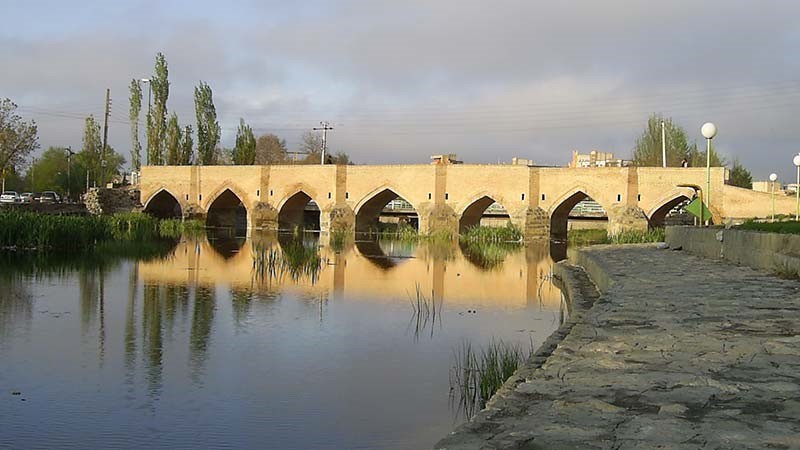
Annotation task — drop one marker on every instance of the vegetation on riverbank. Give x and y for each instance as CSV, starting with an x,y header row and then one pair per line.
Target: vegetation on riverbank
x,y
590,237
477,374
790,227
481,234
31,231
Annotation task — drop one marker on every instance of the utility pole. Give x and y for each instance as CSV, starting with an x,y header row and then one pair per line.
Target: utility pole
x,y
325,127
105,138
663,146
69,161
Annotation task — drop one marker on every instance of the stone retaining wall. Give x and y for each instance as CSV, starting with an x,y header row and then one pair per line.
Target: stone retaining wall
x,y
779,253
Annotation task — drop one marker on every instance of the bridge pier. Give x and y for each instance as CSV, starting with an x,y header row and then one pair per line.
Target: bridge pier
x,y
626,218
438,219
263,217
339,218
533,222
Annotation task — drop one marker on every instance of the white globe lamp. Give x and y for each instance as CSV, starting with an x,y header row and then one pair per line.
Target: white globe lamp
x,y
709,130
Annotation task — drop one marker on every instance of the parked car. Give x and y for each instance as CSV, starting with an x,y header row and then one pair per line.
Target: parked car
x,y
26,197
9,197
49,197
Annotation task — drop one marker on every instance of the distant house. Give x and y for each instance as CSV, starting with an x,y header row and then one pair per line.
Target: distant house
x,y
449,158
596,159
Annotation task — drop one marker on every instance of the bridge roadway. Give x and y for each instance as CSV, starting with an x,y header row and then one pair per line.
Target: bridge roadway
x,y
677,352
447,197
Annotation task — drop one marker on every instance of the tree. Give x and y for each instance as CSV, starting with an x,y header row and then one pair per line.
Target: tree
x,y
208,130
698,159
311,145
49,172
135,109
340,158
647,152
157,119
740,176
91,152
173,141
18,139
186,147
270,149
244,153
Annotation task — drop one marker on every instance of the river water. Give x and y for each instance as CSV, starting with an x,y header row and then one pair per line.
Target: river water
x,y
199,348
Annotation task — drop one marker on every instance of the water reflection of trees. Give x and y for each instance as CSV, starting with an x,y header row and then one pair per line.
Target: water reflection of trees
x,y
16,304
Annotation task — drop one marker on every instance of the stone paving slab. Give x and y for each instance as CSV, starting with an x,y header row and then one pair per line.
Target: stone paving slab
x,y
680,352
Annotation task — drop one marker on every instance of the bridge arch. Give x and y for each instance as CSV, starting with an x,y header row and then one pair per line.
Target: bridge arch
x,y
656,217
293,212
559,212
164,205
227,210
369,209
471,213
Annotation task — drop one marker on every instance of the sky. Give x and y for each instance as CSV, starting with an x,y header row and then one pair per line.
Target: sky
x,y
400,81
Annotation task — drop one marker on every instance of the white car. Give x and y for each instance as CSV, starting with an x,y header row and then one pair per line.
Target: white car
x,y
9,197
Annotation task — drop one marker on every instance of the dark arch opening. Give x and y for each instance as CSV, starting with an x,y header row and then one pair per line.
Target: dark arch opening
x,y
671,213
299,211
483,211
386,209
227,211
164,206
579,211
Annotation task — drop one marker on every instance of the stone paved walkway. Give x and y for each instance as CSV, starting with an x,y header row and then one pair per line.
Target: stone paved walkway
x,y
679,353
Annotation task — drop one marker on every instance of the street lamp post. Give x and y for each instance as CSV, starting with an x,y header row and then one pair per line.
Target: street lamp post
x,y
796,161
772,178
709,130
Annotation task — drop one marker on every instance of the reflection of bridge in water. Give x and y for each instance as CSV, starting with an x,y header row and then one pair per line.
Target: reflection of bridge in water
x,y
369,270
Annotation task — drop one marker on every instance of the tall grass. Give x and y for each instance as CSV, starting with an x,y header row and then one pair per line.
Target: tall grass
x,y
26,230
638,237
477,374
589,237
481,234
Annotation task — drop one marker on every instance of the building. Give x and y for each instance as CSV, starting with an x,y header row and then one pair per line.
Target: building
x,y
767,186
449,158
595,159
515,161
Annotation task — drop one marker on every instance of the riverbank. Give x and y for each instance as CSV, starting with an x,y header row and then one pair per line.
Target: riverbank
x,y
675,352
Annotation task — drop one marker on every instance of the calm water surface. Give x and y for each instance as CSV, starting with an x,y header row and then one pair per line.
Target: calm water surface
x,y
199,350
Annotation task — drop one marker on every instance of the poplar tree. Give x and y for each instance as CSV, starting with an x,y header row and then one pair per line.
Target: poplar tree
x,y
135,109
186,147
244,153
157,119
90,154
173,141
208,131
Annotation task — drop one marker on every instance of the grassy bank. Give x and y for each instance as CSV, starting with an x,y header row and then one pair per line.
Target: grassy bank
x,y
791,227
24,230
590,237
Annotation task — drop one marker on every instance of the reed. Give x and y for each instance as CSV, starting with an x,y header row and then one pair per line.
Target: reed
x,y
481,234
294,259
638,237
477,374
31,231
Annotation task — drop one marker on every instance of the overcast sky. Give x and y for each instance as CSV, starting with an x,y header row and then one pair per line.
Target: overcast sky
x,y
403,80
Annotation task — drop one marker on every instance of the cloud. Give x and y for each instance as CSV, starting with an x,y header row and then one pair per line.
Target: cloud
x,y
403,81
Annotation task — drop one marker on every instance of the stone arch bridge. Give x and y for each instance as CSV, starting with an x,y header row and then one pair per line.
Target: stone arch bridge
x,y
446,197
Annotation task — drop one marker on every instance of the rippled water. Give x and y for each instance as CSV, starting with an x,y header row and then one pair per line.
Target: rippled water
x,y
199,350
